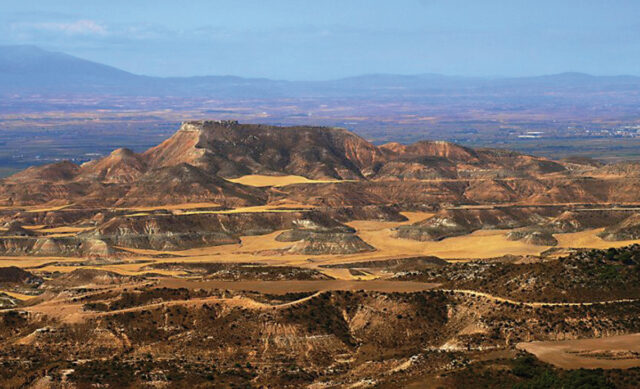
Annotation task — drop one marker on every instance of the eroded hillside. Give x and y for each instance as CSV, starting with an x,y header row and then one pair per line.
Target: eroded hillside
x,y
236,255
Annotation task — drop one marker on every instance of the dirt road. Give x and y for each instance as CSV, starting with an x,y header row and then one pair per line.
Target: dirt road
x,y
535,304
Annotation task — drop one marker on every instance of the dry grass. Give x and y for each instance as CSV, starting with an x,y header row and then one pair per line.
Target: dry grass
x,y
63,230
181,206
589,239
19,296
61,235
48,208
34,227
260,180
138,214
479,244
614,352
259,208
264,249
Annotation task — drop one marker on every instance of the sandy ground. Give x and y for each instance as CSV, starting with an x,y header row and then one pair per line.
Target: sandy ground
x,y
18,296
283,207
172,207
257,208
264,249
262,180
48,209
614,352
589,239
479,244
61,230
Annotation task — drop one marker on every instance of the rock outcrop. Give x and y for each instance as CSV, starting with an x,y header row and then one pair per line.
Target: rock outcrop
x,y
177,232
454,222
628,229
533,236
67,246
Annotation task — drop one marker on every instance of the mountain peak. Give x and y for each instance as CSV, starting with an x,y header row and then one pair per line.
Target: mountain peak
x,y
230,149
123,152
122,165
30,69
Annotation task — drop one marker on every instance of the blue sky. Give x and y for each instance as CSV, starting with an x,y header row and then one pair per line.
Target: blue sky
x,y
314,40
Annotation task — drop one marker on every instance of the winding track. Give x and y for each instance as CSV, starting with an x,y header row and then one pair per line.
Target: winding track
x,y
535,304
69,311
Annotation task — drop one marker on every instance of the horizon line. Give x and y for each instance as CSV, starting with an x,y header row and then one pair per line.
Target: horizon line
x,y
347,77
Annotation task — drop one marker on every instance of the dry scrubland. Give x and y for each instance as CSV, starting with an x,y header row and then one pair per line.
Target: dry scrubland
x,y
613,352
259,249
326,261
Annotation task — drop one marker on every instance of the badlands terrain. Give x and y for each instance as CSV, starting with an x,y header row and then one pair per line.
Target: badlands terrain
x,y
235,255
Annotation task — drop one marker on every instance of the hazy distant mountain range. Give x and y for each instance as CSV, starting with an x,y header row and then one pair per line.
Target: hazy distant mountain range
x,y
29,69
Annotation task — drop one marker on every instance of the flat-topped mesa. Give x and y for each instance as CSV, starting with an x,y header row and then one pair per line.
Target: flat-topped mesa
x,y
199,125
195,161
231,149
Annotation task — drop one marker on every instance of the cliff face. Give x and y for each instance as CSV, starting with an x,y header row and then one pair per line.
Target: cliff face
x,y
169,232
54,247
179,148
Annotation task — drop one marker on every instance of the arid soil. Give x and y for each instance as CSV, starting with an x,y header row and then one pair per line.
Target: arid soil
x,y
612,352
282,287
239,255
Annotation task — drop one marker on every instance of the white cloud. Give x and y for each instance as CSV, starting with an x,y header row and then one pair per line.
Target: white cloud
x,y
78,27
